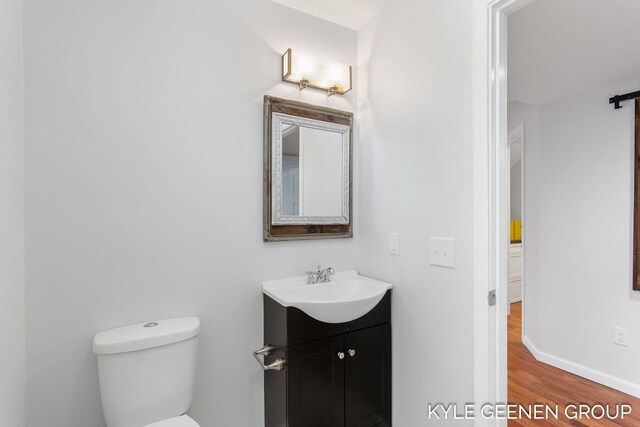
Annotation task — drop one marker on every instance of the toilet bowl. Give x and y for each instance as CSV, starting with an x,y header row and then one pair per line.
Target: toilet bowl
x,y
183,421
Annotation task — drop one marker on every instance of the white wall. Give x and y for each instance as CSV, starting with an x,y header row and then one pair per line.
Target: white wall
x,y
12,304
143,174
578,231
529,117
415,171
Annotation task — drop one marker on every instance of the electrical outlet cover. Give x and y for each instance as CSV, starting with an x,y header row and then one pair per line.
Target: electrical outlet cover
x,y
620,337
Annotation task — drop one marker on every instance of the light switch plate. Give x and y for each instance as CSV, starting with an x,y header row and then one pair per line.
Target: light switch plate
x,y
394,244
443,252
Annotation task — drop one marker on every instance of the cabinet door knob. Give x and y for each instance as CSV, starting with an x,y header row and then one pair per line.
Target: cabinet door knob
x,y
340,355
352,352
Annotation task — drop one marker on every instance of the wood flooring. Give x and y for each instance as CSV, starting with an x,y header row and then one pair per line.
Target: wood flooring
x,y
532,382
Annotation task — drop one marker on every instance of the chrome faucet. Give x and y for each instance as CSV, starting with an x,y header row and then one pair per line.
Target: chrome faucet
x,y
320,276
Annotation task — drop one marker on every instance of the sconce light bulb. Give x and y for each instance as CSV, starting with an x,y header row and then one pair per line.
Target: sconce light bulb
x,y
335,74
306,66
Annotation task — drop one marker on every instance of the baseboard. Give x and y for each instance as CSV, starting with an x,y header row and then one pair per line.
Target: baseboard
x,y
515,300
583,371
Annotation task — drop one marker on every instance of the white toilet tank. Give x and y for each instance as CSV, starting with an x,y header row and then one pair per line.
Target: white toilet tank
x,y
147,371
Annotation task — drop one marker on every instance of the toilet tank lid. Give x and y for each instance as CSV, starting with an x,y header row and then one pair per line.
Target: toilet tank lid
x,y
146,335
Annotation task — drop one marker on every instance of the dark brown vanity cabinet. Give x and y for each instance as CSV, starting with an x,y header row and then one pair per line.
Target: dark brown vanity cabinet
x,y
336,375
368,377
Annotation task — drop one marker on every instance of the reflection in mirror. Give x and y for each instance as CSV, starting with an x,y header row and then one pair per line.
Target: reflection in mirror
x,y
291,170
312,173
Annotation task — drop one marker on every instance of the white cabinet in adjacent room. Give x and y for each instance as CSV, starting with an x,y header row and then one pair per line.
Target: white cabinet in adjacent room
x,y
515,272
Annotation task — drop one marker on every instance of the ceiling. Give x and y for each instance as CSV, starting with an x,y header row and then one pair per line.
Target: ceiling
x,y
563,48
348,13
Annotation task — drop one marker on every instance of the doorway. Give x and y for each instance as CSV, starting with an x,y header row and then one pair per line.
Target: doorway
x,y
610,157
515,192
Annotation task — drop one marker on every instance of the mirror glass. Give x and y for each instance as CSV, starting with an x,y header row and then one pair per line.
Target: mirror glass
x,y
311,171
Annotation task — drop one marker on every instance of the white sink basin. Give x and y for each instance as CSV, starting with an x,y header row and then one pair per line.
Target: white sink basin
x,y
347,297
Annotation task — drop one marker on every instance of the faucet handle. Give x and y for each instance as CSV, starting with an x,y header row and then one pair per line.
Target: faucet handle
x,y
311,277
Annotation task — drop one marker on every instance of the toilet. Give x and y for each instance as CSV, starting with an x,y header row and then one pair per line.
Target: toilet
x,y
147,372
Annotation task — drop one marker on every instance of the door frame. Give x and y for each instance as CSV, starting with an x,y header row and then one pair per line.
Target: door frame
x,y
517,136
490,222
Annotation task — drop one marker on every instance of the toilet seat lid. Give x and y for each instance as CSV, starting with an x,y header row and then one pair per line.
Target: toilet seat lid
x,y
182,421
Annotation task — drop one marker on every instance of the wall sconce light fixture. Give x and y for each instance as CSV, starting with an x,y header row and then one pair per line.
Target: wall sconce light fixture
x,y
305,71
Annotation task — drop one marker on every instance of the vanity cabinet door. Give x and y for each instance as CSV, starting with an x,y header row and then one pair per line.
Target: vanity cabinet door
x,y
368,377
315,389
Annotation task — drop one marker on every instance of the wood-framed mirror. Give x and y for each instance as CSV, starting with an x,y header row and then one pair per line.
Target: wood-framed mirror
x,y
308,171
